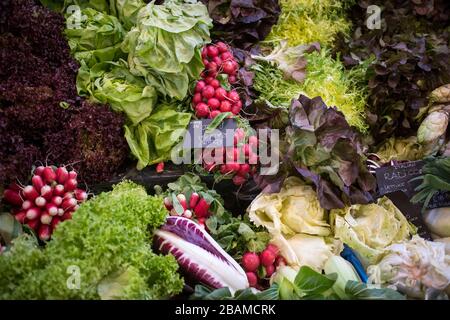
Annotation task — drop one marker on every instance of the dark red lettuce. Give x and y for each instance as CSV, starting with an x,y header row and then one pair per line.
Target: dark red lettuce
x,y
242,23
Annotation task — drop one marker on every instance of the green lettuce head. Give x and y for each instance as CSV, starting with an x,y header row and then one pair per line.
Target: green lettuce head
x,y
369,229
164,46
97,39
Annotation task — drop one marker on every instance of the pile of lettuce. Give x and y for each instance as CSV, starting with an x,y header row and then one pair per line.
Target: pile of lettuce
x,y
320,147
102,253
412,54
41,116
370,229
306,21
297,224
140,59
242,23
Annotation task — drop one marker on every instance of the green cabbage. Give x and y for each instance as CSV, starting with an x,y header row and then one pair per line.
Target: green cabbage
x,y
108,235
164,46
369,229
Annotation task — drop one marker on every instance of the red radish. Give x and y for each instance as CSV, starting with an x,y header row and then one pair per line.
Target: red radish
x,y
69,204
280,261
220,94
201,110
46,218
238,180
197,98
222,47
234,96
187,214
204,52
52,209
20,216
58,190
214,103
226,56
12,197
40,202
44,232
201,209
168,203
208,92
33,213
250,261
80,195
73,174
67,216
267,257
233,167
208,80
193,200
14,186
55,222
62,175
215,84
253,158
57,200
159,167
39,170
239,134
225,106
199,86
217,60
238,104
70,185
244,169
246,149
270,270
252,278
202,222
253,141
214,114
212,68
37,182
212,51
273,248
206,63
229,67
60,211
182,199
47,192
235,109
49,174
232,79
67,195
34,224
27,204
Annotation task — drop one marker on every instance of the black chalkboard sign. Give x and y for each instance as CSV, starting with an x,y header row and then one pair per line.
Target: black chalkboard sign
x,y
197,138
397,177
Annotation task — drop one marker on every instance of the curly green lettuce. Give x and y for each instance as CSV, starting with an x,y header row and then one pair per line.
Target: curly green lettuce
x,y
108,235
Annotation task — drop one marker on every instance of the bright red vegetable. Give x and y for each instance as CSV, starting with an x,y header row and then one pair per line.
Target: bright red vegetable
x,y
250,261
12,197
267,257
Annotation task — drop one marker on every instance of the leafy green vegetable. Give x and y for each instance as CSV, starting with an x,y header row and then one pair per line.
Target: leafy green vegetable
x,y
325,77
112,82
435,177
369,229
108,234
97,39
10,228
152,140
164,46
361,291
307,21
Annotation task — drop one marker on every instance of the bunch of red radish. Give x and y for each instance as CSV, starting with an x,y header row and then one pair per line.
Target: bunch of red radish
x,y
52,197
210,98
194,207
260,267
239,161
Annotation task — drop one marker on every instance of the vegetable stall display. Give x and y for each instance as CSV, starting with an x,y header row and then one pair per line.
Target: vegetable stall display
x,y
97,96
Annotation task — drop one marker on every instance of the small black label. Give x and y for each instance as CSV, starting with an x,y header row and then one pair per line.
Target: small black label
x,y
397,177
222,136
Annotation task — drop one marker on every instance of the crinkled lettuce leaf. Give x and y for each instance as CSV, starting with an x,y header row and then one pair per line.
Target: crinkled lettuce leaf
x,y
97,39
164,45
370,229
152,140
